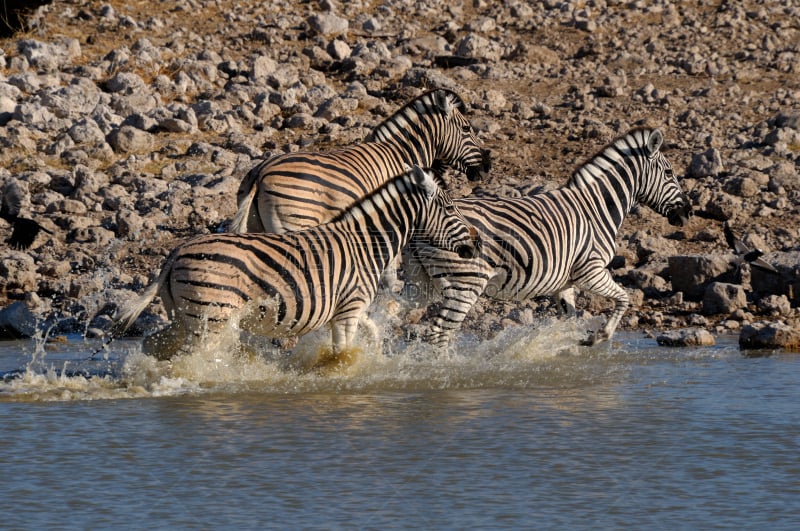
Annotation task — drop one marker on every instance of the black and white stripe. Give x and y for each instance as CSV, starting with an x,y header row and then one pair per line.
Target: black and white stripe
x,y
547,243
298,190
285,285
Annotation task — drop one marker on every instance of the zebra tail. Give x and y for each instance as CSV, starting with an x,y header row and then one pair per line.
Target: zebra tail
x,y
128,316
124,319
239,223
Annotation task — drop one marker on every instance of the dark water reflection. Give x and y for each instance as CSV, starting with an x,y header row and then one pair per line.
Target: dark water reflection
x,y
530,436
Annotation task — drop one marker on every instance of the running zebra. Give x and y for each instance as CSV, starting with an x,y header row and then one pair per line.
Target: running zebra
x,y
299,190
285,285
547,243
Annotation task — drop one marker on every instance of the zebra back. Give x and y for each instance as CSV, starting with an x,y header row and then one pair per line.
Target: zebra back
x,y
299,190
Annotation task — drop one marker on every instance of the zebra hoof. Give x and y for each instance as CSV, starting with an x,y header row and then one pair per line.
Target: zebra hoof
x,y
592,339
329,362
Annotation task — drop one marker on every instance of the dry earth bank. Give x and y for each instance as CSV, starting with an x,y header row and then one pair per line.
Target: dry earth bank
x,y
130,124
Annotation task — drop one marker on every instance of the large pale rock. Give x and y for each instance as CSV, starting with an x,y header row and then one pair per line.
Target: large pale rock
x,y
128,139
706,164
478,47
17,271
774,306
691,274
73,101
770,335
49,56
688,337
328,24
723,298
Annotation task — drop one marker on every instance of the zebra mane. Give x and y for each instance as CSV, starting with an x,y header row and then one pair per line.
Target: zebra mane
x,y
632,133
455,98
358,205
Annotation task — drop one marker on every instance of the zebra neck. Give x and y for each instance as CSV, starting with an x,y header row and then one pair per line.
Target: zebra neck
x,y
384,220
604,193
410,141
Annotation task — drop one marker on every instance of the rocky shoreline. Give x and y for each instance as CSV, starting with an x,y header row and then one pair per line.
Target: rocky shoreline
x,y
129,127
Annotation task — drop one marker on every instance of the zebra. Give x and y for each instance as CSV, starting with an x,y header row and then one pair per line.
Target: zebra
x,y
286,285
552,242
300,190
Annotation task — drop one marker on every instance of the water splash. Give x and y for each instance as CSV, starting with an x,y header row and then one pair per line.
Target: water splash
x,y
545,355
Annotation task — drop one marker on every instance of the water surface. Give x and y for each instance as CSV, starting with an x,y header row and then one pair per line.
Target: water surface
x,y
524,431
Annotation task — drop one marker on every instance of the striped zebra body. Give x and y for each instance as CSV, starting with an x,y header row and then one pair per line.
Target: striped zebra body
x,y
299,190
284,285
546,244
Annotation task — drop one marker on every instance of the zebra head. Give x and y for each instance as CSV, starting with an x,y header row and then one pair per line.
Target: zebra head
x,y
660,189
441,223
458,146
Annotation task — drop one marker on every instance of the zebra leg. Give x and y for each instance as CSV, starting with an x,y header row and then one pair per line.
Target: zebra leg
x,y
602,284
365,322
389,280
341,354
457,303
418,288
167,342
566,302
343,332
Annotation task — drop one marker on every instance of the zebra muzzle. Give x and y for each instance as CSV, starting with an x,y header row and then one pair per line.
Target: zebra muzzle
x,y
481,171
680,215
466,251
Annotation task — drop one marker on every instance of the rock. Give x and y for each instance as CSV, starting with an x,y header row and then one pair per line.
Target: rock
x,y
7,106
338,49
125,83
647,280
49,57
17,271
336,107
706,164
70,207
263,67
478,47
328,24
770,335
688,337
691,274
33,115
742,186
723,206
86,131
17,321
653,246
74,101
789,119
129,224
774,306
723,298
785,282
128,139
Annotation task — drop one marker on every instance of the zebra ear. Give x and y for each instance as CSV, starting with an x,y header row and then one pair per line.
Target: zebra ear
x,y
654,142
424,180
443,102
